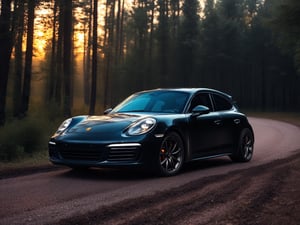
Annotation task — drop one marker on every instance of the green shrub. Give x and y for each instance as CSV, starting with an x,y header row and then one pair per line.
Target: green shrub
x,y
9,150
21,137
31,135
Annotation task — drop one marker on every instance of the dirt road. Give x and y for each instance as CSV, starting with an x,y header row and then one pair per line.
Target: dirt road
x,y
264,191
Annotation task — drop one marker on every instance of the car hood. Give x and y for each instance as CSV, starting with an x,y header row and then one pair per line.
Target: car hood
x,y
111,123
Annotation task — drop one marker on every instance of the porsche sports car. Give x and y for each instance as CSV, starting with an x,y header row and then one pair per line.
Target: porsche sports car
x,y
159,130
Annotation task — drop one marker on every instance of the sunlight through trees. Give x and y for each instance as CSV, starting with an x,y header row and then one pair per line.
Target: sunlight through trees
x,y
85,56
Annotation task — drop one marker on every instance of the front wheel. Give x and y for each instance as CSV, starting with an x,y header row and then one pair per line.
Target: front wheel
x,y
245,147
171,155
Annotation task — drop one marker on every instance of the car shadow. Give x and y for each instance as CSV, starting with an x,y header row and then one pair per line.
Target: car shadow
x,y
119,174
206,164
128,174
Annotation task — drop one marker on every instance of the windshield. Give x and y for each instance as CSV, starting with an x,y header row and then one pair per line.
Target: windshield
x,y
161,101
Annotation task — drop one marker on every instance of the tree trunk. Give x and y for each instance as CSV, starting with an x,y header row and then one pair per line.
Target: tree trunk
x,y
67,56
109,54
28,59
87,62
151,30
5,53
17,93
163,41
52,78
117,41
59,54
94,60
121,49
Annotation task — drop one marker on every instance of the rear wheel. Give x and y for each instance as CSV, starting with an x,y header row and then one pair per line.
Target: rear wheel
x,y
244,151
171,155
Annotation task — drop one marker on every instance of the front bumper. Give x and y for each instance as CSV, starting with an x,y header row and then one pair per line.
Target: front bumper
x,y
98,154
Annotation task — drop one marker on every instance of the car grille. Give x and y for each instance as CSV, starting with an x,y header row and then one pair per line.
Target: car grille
x,y
123,152
81,152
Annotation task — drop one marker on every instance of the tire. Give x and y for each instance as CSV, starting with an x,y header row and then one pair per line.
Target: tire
x,y
171,155
244,151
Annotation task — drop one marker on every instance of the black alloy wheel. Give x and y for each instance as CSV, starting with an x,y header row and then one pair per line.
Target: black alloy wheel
x,y
171,155
245,147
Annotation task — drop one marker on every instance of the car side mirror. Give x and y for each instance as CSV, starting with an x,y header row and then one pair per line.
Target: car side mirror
x,y
107,111
200,110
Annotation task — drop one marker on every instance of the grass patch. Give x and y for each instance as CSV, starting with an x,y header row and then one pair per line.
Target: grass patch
x,y
24,143
27,161
20,138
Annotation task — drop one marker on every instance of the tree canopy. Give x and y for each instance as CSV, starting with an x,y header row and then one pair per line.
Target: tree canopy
x,y
86,56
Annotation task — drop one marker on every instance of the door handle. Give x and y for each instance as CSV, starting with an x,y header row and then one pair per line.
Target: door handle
x,y
218,122
237,121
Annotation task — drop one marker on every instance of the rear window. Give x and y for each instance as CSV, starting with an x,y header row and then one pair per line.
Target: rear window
x,y
221,103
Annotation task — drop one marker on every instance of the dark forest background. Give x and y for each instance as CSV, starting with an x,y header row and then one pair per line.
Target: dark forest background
x,y
248,48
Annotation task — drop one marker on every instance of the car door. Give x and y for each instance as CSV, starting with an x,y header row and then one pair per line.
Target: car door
x,y
204,129
229,122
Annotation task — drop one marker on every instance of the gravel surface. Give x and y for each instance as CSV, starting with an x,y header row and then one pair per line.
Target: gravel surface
x,y
266,194
264,191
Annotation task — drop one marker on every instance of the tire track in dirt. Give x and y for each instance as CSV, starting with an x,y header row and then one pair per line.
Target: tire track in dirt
x,y
234,198
276,203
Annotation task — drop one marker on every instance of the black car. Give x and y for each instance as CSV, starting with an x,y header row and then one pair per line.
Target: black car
x,y
158,130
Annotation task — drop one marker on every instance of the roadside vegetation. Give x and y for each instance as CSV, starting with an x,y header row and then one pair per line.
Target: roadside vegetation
x,y
23,142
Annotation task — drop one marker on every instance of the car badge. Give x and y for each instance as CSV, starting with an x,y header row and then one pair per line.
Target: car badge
x,y
88,129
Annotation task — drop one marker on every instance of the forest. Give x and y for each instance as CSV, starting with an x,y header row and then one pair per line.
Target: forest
x,y
69,57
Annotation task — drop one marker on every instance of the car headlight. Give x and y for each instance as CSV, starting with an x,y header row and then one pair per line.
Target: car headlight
x,y
141,127
64,126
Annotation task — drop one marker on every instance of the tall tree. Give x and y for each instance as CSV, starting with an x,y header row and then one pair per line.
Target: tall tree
x,y
118,33
189,38
94,59
18,64
28,59
174,21
163,40
109,47
151,27
53,73
175,16
5,53
208,37
140,26
87,52
59,54
286,21
67,55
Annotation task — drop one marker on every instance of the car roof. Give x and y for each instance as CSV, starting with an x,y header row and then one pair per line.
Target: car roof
x,y
192,91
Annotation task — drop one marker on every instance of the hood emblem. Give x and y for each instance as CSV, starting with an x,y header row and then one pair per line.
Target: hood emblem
x,y
88,129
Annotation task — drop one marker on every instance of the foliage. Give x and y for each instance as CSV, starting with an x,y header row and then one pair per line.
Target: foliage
x,y
19,138
286,22
188,40
232,45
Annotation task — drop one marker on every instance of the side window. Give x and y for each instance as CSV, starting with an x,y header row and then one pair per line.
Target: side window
x,y
201,99
221,103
